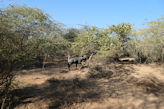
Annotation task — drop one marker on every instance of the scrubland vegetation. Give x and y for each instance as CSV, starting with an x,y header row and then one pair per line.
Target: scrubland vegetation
x,y
32,43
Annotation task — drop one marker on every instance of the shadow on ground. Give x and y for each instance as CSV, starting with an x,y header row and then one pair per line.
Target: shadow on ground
x,y
60,92
111,81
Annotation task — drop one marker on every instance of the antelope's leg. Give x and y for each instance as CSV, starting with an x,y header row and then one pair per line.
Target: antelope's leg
x,y
68,66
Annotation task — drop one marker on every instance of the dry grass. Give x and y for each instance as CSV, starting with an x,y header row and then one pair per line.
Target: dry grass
x,y
102,86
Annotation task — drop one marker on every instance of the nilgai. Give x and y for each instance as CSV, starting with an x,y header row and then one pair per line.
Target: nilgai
x,y
75,60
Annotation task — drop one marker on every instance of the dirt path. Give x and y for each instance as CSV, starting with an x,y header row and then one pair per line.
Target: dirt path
x,y
113,86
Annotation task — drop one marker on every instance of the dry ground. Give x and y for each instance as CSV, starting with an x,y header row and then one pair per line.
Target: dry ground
x,y
103,86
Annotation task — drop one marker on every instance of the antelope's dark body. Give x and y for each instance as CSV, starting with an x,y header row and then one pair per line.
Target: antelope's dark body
x,y
75,60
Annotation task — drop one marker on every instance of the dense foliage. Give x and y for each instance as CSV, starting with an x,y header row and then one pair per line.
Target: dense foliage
x,y
28,36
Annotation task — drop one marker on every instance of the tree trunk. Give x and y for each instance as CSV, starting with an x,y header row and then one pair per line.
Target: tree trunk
x,y
3,103
44,61
88,61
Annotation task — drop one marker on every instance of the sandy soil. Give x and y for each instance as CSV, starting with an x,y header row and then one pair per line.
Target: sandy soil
x,y
103,86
